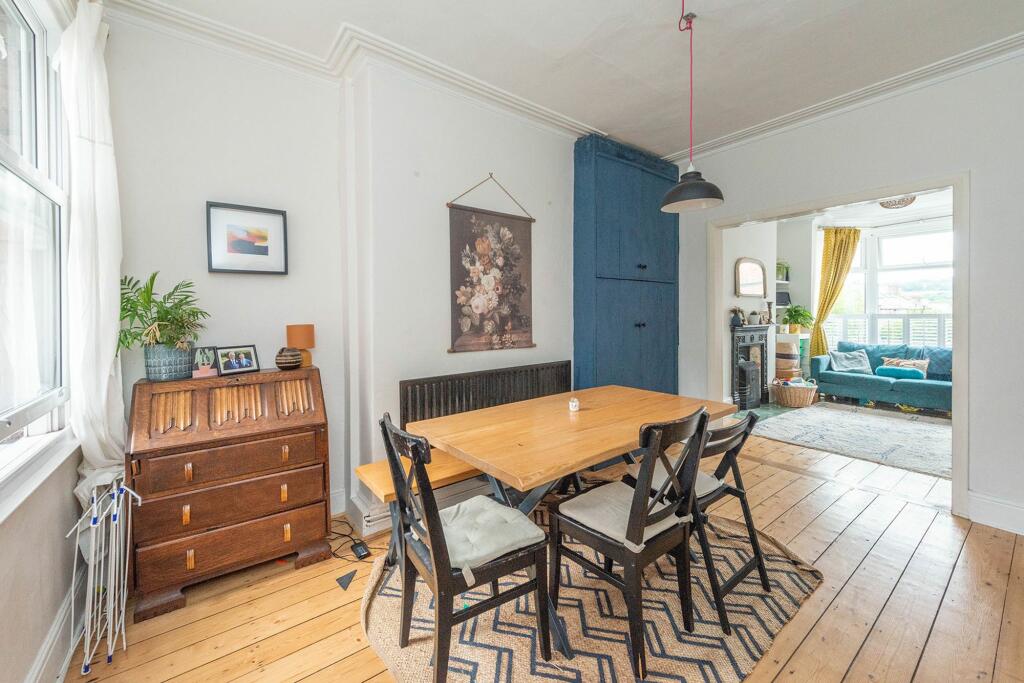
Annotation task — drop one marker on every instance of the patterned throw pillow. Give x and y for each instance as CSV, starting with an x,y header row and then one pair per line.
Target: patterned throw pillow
x,y
920,364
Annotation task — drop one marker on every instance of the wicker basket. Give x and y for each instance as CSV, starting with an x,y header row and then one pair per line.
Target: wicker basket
x,y
795,395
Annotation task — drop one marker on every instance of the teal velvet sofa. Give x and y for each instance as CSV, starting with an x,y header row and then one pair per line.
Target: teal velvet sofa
x,y
934,392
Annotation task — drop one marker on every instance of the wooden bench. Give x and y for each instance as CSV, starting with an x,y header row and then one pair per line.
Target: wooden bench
x,y
443,470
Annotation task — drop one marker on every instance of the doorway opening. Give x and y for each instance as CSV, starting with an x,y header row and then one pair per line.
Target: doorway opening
x,y
890,316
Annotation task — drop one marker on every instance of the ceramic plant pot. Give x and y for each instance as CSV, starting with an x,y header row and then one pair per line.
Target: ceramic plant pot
x,y
164,363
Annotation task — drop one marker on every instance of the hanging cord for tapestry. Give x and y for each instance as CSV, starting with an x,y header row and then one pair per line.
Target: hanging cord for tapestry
x,y
686,24
490,177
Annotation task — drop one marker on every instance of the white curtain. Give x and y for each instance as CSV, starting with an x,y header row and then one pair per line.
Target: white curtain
x,y
96,408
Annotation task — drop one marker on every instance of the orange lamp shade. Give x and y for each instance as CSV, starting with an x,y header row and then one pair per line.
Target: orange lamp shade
x,y
301,336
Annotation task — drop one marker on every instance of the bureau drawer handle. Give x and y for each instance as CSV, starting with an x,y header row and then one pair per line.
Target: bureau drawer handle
x,y
190,559
188,471
287,533
186,514
284,493
284,453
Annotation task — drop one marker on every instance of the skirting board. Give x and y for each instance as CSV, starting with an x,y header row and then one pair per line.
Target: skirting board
x,y
995,512
338,502
54,656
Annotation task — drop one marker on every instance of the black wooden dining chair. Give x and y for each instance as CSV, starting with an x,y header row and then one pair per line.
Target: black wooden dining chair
x,y
709,488
727,442
475,542
634,528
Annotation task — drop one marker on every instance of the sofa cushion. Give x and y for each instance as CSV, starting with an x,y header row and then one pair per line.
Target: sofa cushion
x,y
923,387
899,372
850,361
854,379
940,361
875,351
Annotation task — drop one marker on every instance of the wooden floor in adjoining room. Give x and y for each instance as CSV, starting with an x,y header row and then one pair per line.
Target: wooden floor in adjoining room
x,y
909,593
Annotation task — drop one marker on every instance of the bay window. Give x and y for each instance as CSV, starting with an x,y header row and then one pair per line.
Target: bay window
x,y
900,288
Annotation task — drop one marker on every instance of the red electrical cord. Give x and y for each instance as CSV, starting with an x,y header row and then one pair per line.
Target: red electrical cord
x,y
689,27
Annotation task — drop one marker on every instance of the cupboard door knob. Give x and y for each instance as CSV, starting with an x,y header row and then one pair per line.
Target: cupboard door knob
x,y
186,515
188,471
287,533
284,453
637,325
190,559
643,324
284,493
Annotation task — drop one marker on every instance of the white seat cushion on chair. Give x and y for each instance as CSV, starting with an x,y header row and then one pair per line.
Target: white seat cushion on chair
x,y
605,509
481,529
704,485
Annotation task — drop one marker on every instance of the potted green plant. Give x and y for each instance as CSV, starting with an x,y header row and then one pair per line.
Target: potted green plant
x,y
165,326
797,317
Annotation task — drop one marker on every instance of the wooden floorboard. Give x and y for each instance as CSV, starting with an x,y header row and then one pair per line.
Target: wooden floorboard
x,y
910,593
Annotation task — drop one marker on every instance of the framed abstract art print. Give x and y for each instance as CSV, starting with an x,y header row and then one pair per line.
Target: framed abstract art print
x,y
246,239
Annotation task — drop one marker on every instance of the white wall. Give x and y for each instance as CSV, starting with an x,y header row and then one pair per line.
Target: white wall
x,y
969,123
796,247
414,145
36,578
756,241
193,124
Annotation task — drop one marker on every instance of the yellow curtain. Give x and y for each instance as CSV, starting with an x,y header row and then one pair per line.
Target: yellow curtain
x,y
836,258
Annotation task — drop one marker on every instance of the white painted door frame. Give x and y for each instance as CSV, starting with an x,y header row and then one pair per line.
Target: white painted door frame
x,y
716,314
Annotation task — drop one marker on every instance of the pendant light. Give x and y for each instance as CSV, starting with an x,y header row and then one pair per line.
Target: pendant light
x,y
692,193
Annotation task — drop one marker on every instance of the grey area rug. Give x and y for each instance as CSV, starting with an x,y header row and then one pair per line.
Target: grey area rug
x,y
502,646
910,442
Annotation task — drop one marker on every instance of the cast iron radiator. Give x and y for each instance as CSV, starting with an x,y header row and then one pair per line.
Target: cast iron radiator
x,y
427,397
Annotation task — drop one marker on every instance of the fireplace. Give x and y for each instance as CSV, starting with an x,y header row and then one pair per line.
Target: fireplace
x,y
750,343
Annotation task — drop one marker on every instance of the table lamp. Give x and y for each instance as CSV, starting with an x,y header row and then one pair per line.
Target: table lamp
x,y
303,338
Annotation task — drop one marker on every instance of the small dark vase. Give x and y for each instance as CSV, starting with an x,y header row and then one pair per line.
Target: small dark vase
x,y
288,358
737,320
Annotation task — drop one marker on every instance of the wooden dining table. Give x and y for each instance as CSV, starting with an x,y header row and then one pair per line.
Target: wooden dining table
x,y
527,448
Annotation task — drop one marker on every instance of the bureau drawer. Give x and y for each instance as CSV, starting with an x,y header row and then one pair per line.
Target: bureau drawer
x,y
190,559
216,506
171,472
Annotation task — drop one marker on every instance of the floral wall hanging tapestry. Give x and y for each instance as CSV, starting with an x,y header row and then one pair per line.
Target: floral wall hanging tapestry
x,y
492,303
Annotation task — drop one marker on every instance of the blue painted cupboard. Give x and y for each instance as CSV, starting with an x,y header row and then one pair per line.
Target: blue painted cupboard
x,y
625,268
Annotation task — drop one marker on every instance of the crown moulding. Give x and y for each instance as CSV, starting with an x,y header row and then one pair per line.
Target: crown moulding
x,y
351,41
964,62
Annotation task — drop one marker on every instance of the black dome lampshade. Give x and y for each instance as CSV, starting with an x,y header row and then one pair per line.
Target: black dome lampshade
x,y
691,193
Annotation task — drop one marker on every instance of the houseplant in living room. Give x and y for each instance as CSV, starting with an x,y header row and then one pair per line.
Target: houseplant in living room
x,y
797,317
164,325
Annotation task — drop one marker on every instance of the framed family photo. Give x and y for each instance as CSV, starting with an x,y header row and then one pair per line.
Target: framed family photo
x,y
246,239
204,361
234,360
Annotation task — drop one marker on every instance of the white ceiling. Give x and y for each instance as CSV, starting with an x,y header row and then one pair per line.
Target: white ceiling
x,y
620,65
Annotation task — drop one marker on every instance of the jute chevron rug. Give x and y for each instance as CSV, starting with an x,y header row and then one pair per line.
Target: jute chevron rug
x,y
502,646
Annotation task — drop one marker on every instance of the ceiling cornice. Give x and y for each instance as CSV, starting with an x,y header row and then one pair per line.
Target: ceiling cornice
x,y
964,62
352,41
349,43
218,34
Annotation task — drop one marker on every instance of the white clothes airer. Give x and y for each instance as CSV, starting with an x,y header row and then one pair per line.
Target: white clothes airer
x,y
103,534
